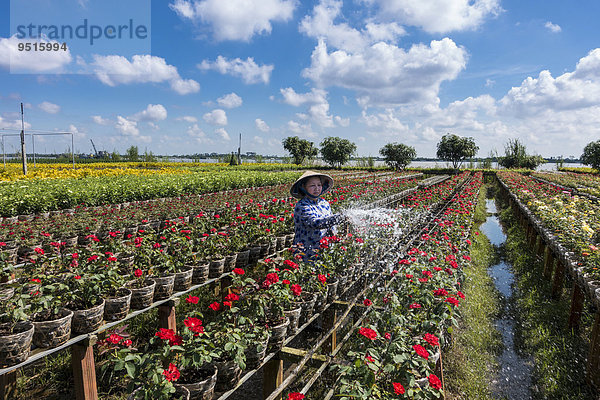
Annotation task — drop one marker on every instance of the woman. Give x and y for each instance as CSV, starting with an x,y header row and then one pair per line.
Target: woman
x,y
312,215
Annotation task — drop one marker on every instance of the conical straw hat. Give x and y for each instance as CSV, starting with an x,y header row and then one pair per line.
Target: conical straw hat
x,y
295,189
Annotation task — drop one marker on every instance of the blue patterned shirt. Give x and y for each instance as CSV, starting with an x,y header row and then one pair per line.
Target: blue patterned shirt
x,y
312,220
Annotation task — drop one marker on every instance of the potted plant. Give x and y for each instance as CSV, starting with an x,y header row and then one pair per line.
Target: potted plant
x,y
16,332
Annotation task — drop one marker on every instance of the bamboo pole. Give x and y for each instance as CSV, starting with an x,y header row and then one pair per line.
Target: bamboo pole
x,y
577,298
548,263
557,284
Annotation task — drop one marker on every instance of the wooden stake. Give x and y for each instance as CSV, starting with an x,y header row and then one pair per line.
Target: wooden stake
x,y
8,385
593,366
272,377
557,284
166,315
576,306
548,263
329,320
84,369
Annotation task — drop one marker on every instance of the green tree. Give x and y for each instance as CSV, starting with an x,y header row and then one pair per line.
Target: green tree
x,y
516,156
398,155
300,149
133,154
337,151
456,149
591,155
115,156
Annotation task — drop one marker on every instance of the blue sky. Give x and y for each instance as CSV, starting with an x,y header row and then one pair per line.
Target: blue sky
x,y
371,71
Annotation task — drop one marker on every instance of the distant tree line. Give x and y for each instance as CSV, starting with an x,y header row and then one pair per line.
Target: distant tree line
x,y
452,148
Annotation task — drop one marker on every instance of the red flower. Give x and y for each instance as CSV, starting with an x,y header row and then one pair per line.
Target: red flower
x,y
431,339
215,306
290,264
194,325
286,281
460,294
434,381
369,358
172,373
36,280
322,278
192,299
296,289
420,350
295,396
169,334
77,277
451,300
127,343
39,250
440,292
367,302
138,272
114,338
272,277
398,388
232,297
238,271
387,335
368,333
227,303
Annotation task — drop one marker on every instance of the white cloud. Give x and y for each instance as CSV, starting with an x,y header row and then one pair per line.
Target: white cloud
x,y
235,19
116,70
384,124
387,74
261,125
223,133
321,25
185,86
570,91
343,122
154,112
78,134
197,133
489,82
248,70
438,16
48,107
297,99
258,140
99,120
301,130
216,117
13,123
552,27
153,125
127,127
32,61
230,100
188,118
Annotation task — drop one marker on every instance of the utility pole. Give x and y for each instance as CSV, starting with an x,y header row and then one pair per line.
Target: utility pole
x,y
23,154
240,151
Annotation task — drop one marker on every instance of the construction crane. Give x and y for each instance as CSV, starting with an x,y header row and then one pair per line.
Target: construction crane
x,y
94,146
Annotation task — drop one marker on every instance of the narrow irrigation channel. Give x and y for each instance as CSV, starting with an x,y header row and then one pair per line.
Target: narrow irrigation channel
x,y
514,376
